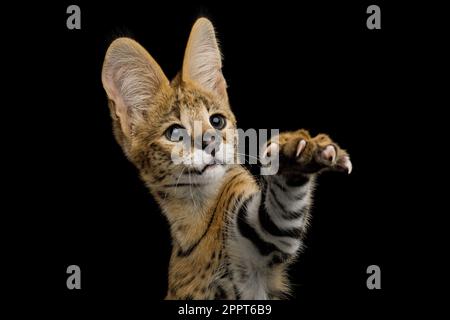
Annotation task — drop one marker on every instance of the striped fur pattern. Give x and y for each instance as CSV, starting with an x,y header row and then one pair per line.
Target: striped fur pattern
x,y
234,235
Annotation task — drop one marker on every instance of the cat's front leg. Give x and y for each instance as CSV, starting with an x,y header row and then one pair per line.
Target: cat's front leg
x,y
272,223
287,195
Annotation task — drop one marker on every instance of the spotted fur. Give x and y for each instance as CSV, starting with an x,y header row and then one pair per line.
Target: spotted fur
x,y
233,235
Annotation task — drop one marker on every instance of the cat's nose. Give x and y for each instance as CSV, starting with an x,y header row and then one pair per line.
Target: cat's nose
x,y
209,143
205,144
201,143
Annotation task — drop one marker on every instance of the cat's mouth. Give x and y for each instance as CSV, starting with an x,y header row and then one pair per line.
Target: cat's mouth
x,y
204,176
199,177
203,170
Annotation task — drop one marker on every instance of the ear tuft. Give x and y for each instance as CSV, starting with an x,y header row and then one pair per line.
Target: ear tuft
x,y
202,62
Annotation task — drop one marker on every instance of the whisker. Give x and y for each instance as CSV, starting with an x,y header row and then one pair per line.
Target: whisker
x,y
176,184
178,180
243,154
248,162
190,189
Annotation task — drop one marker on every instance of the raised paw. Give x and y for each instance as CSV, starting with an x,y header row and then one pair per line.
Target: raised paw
x,y
299,153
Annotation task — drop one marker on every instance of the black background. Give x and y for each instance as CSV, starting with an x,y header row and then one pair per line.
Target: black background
x,y
313,65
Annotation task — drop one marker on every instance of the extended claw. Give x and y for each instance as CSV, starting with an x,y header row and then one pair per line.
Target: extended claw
x,y
348,165
329,153
301,145
344,164
271,149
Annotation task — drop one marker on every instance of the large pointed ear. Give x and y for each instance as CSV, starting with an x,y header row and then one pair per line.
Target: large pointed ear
x,y
132,79
202,62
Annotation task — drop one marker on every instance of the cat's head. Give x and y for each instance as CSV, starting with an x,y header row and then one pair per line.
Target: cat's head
x,y
150,113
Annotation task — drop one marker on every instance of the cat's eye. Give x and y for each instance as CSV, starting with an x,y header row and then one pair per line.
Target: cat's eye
x,y
174,133
218,121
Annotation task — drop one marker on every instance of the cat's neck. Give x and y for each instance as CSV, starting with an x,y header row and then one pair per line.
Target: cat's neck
x,y
191,212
